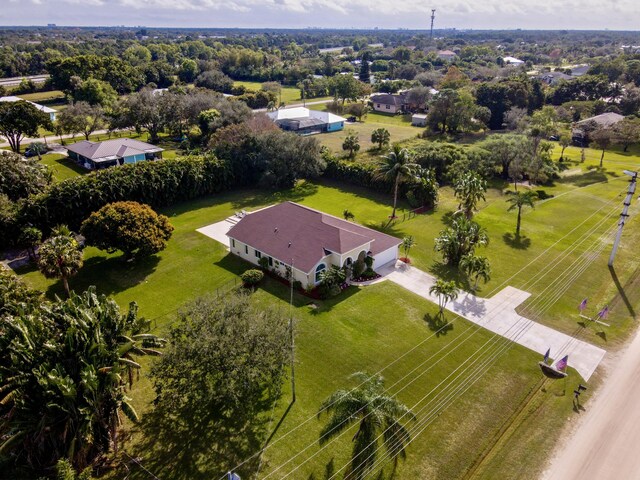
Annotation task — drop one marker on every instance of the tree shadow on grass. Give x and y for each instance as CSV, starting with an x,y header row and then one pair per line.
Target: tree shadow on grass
x,y
259,198
195,442
583,179
519,242
438,323
449,273
110,275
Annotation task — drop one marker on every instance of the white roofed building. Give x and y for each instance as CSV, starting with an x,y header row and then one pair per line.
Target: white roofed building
x,y
48,110
306,122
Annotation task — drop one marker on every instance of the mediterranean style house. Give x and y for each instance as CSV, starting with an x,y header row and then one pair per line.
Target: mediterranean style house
x,y
307,241
94,155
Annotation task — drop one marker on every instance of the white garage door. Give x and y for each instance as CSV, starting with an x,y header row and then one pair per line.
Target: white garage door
x,y
387,256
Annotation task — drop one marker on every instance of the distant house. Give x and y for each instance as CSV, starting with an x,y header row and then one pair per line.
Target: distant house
x,y
96,155
50,111
388,103
419,120
552,78
581,129
580,70
512,61
307,241
447,55
306,122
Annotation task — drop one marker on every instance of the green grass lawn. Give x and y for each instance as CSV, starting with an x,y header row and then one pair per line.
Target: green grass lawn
x,y
45,98
62,166
371,327
398,133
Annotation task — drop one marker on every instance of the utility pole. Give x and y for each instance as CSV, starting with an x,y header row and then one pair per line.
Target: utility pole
x,y
624,214
433,17
292,338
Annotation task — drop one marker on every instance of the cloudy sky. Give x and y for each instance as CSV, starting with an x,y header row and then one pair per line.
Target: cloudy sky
x,y
478,14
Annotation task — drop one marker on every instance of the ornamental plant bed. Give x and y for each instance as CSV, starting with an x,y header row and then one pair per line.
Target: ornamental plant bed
x,y
366,278
406,260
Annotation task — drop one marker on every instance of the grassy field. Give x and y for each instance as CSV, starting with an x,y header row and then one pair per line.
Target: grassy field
x,y
371,327
334,140
62,166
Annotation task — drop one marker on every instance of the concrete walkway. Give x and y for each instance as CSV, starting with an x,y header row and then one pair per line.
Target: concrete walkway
x,y
218,231
498,314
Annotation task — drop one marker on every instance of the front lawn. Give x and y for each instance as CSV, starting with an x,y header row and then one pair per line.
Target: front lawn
x,y
371,327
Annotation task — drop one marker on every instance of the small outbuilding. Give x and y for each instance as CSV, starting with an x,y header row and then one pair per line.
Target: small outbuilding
x,y
306,122
419,120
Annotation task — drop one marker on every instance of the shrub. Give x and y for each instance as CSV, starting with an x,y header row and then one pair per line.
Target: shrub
x,y
131,227
297,284
264,263
252,277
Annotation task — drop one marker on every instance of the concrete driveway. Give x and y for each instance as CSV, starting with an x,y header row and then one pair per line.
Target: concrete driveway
x,y
498,314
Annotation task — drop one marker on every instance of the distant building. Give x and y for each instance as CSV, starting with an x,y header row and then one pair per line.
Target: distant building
x,y
551,78
306,122
388,103
581,130
447,55
580,70
50,111
419,120
512,61
96,155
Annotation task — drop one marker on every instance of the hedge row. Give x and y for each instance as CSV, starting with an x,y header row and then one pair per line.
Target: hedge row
x,y
356,174
158,184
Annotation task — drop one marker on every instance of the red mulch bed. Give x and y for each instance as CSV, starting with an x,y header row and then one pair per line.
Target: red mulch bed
x,y
406,260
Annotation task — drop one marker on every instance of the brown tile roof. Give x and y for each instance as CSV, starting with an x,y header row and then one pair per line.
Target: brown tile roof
x,y
291,231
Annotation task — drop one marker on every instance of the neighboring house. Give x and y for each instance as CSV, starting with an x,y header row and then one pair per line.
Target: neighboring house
x,y
306,122
50,111
419,120
387,103
579,70
581,129
95,155
552,78
512,61
447,55
308,241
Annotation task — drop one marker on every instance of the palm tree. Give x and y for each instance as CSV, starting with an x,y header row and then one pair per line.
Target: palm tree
x,y
477,267
470,189
407,243
378,415
60,256
517,200
348,215
381,136
351,143
445,291
66,397
398,167
460,239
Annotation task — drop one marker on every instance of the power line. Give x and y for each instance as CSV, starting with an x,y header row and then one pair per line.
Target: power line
x,y
429,337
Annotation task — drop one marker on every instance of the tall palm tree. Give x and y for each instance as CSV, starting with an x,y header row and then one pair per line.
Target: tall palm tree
x,y
65,375
398,167
376,412
60,256
460,239
407,243
445,291
470,189
517,200
477,267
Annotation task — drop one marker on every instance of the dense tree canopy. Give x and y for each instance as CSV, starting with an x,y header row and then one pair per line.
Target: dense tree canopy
x,y
131,227
20,177
21,119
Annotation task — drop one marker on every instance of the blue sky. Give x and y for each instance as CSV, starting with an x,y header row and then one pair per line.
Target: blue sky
x,y
462,14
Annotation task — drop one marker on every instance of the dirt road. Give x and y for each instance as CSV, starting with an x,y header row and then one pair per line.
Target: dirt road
x,y
606,442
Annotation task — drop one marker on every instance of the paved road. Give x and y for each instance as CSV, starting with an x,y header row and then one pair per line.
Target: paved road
x,y
606,443
14,81
52,139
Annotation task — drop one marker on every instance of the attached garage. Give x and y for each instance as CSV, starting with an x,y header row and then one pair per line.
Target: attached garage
x,y
386,256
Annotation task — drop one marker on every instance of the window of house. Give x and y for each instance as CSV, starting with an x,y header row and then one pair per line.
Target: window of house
x,y
246,249
233,242
388,107
258,254
319,269
270,262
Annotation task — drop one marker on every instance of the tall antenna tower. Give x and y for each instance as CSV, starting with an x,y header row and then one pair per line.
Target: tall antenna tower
x,y
433,17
